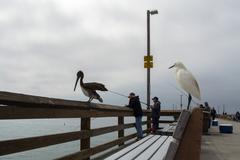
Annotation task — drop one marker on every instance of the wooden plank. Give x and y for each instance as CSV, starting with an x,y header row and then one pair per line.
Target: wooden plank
x,y
100,131
16,99
174,113
128,149
166,121
172,150
161,152
86,153
19,112
168,131
152,149
18,145
47,140
182,123
141,148
9,98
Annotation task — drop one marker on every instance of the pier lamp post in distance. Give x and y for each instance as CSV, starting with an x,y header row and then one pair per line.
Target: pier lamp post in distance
x,y
148,60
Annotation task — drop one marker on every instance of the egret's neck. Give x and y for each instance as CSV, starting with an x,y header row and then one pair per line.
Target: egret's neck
x,y
180,68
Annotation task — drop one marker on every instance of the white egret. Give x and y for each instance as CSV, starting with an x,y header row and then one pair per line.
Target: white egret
x,y
187,81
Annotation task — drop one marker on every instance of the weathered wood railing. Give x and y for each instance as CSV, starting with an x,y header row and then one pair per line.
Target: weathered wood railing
x,y
20,106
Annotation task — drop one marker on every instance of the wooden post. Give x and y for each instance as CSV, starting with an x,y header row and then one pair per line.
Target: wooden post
x,y
175,118
121,132
190,145
148,123
85,125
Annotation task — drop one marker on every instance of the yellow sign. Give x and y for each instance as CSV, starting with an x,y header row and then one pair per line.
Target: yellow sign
x,y
148,58
148,61
148,64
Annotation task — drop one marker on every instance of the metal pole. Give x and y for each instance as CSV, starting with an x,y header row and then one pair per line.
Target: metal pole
x,y
148,54
181,101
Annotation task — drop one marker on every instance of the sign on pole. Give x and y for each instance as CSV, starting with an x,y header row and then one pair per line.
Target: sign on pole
x,y
148,61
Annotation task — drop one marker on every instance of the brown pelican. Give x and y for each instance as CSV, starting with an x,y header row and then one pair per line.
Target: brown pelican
x,y
89,89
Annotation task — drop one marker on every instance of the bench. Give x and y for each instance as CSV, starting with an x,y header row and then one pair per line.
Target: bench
x,y
157,147
168,130
150,147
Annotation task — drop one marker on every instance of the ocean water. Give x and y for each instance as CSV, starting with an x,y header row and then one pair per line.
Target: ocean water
x,y
14,129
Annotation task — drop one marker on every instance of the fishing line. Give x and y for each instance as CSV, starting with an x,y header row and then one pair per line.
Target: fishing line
x,y
181,92
120,94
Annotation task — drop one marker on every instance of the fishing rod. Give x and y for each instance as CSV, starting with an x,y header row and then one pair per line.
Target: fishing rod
x,y
120,94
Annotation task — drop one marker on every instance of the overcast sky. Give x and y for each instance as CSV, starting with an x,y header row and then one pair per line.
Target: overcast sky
x,y
44,43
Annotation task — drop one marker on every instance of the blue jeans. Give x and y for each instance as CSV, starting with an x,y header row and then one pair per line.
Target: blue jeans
x,y
138,125
155,122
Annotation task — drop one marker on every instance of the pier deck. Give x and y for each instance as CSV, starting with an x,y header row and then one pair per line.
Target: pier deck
x,y
217,146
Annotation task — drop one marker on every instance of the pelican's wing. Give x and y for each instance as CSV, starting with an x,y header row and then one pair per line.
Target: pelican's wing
x,y
188,83
95,86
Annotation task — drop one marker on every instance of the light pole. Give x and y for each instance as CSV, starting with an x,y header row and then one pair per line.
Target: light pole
x,y
148,59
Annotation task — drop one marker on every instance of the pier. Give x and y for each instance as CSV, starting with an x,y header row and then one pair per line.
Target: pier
x,y
186,130
218,146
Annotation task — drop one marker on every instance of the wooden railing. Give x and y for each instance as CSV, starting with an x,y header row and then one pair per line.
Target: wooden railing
x,y
20,106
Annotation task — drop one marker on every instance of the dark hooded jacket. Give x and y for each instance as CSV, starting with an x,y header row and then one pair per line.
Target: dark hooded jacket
x,y
135,104
156,109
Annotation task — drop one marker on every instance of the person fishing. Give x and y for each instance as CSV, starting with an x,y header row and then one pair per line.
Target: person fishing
x,y
156,107
135,104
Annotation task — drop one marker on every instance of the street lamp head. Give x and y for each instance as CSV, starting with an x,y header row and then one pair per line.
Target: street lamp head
x,y
154,12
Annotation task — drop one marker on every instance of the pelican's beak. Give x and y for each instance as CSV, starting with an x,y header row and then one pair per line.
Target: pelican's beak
x,y
76,82
171,66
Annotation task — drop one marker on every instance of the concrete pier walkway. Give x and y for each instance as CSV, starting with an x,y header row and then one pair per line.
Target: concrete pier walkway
x,y
218,146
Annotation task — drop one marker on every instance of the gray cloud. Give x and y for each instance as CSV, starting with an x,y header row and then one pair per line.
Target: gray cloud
x,y
44,43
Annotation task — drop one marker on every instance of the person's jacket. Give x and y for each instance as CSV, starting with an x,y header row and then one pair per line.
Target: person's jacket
x,y
135,104
156,109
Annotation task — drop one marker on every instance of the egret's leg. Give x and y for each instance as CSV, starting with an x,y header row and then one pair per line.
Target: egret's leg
x,y
189,101
90,99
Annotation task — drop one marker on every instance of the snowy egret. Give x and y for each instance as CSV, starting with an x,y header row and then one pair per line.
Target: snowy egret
x,y
187,81
89,89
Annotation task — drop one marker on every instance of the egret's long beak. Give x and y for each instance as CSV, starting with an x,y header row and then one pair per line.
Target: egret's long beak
x,y
171,66
76,83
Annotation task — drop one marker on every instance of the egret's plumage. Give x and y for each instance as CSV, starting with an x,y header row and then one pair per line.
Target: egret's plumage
x,y
186,80
89,89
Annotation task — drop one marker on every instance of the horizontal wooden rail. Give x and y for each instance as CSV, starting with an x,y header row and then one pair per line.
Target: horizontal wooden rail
x,y
19,112
23,112
166,121
24,144
15,99
19,145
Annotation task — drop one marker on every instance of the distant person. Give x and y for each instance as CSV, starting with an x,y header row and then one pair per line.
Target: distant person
x,y
213,113
206,107
237,116
135,104
156,107
201,106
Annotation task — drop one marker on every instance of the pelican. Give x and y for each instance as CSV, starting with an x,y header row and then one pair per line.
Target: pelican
x,y
187,81
89,89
